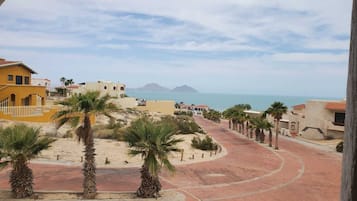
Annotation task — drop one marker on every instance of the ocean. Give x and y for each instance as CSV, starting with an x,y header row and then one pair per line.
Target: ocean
x,y
223,101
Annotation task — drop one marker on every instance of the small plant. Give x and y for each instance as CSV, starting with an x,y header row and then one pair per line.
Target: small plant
x,y
212,115
186,113
183,124
204,144
339,147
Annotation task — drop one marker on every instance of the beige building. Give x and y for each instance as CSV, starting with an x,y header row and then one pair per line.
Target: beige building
x,y
104,87
41,82
317,119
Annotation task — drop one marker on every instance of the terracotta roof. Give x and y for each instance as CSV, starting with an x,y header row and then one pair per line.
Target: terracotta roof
x,y
336,106
4,63
299,107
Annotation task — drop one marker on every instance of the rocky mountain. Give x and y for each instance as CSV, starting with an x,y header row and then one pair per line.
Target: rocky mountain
x,y
184,88
154,87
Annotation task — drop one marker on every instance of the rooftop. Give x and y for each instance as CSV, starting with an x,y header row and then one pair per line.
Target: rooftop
x,y
336,106
5,63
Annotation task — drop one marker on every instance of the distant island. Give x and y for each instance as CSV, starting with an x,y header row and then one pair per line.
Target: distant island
x,y
154,87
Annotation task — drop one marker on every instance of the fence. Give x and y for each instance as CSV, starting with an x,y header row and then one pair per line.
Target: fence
x,y
24,111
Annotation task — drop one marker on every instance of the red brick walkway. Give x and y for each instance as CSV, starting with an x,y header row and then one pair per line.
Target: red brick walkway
x,y
249,171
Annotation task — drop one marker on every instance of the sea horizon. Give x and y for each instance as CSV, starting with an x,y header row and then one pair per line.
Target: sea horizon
x,y
222,101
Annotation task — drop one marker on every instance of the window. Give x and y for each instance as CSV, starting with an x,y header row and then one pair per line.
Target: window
x,y
18,80
105,87
339,118
10,77
114,88
27,80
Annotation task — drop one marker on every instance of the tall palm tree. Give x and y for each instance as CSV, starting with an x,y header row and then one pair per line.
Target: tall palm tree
x,y
153,141
269,126
84,106
236,114
349,161
18,145
276,110
63,80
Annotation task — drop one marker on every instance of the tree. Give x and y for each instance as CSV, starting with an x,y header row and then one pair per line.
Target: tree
x,y
153,140
236,115
276,110
85,105
63,80
349,161
18,145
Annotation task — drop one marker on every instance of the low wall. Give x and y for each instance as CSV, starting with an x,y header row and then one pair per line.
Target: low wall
x,y
163,107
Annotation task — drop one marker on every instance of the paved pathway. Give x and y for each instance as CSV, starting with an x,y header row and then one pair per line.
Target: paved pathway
x,y
250,171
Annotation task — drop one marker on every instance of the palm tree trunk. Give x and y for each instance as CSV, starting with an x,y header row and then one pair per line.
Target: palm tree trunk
x,y
89,169
277,134
21,179
150,185
270,138
262,136
349,161
229,123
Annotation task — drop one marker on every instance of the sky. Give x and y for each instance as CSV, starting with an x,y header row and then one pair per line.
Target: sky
x,y
272,47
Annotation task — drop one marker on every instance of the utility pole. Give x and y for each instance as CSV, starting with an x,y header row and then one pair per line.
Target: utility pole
x,y
349,161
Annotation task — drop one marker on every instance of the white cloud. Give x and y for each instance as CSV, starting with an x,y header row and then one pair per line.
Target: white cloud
x,y
311,57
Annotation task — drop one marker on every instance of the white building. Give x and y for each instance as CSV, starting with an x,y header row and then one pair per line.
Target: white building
x,y
318,119
104,87
41,82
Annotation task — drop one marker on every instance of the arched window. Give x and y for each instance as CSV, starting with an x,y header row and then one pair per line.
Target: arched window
x,y
105,87
114,88
122,88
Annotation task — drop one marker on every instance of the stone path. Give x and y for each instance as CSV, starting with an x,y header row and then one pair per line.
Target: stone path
x,y
249,171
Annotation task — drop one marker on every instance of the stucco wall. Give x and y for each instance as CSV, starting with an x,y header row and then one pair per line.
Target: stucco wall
x,y
110,88
13,70
163,107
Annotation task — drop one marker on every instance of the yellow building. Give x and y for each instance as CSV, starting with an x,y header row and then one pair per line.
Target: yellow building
x,y
16,88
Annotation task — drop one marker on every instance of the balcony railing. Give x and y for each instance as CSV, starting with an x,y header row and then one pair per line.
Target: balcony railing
x,y
24,111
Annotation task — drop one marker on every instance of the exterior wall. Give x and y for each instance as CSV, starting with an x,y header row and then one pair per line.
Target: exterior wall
x,y
13,70
164,107
315,121
41,82
111,88
21,93
12,94
127,102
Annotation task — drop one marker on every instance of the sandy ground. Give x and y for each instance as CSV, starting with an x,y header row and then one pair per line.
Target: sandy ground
x,y
69,152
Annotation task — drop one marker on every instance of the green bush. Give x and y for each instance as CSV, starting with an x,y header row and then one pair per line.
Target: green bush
x,y
204,144
339,147
212,115
183,124
187,113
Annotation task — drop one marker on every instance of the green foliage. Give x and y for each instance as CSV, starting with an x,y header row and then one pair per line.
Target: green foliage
x,y
205,144
212,115
339,147
276,110
153,140
183,124
21,141
187,113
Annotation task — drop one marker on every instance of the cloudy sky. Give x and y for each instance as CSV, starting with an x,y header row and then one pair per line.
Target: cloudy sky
x,y
280,47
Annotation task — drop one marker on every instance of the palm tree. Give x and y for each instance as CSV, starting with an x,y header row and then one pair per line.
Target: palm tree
x,y
153,141
85,105
236,114
63,80
269,126
349,161
277,109
18,145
